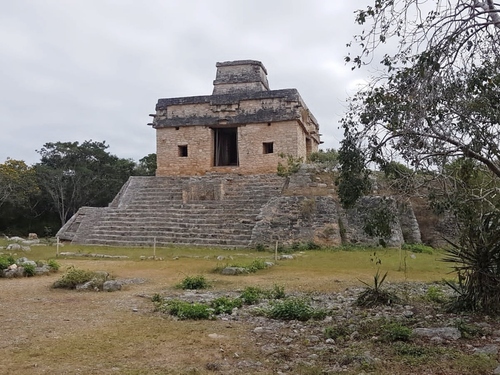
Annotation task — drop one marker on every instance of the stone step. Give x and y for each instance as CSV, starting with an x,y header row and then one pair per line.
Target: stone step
x,y
165,241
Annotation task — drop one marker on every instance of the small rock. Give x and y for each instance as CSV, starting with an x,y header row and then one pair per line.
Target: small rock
x,y
233,270
14,246
450,333
488,350
111,286
258,329
496,371
215,336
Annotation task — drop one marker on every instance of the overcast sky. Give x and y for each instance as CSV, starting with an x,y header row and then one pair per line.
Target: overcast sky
x,y
75,70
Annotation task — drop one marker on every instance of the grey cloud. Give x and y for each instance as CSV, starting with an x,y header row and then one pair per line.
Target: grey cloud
x,y
94,69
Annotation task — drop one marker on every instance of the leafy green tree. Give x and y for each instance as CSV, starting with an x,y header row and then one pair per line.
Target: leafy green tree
x,y
435,106
353,181
73,175
146,166
328,158
17,182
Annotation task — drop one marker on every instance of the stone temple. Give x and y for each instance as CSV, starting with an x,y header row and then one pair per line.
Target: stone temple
x,y
241,128
216,182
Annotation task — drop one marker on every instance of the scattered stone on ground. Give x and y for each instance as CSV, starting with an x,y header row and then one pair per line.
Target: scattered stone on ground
x,y
290,344
91,255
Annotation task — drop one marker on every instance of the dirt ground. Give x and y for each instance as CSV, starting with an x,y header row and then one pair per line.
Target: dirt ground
x,y
53,331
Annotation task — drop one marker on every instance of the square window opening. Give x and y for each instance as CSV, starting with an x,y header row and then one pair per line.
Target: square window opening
x,y
268,147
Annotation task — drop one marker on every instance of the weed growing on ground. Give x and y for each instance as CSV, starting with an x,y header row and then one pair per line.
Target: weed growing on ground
x,y
395,331
54,266
434,294
6,261
194,282
277,292
294,309
74,277
185,310
256,265
251,295
375,295
225,305
337,332
468,330
29,269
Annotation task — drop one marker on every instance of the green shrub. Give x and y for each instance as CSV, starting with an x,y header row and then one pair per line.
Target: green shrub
x,y
74,277
251,295
278,292
294,309
4,263
410,350
434,294
468,330
256,265
194,282
225,305
337,332
260,247
29,269
54,266
188,311
395,332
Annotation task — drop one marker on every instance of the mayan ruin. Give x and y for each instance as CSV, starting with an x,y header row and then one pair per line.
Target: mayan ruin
x,y
241,128
216,182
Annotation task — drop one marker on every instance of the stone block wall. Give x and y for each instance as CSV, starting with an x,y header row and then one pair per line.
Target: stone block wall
x,y
286,137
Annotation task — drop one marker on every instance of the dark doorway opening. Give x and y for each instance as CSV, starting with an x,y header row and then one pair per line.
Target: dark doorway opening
x,y
225,146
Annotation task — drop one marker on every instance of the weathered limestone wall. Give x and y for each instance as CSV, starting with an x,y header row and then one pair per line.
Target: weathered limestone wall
x,y
285,137
298,218
289,219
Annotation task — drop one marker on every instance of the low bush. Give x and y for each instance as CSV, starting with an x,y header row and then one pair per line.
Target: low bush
x,y
277,292
194,282
434,294
337,332
225,305
5,262
468,330
54,266
251,295
395,331
256,265
74,277
294,309
187,311
29,269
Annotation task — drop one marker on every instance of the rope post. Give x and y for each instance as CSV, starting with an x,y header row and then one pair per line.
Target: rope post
x,y
57,246
276,252
154,248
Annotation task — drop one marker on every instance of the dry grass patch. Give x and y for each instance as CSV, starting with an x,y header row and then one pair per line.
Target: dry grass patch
x,y
67,332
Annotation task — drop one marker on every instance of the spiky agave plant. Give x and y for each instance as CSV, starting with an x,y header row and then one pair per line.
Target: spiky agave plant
x,y
476,260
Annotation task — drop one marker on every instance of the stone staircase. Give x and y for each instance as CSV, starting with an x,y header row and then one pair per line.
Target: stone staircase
x,y
212,210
